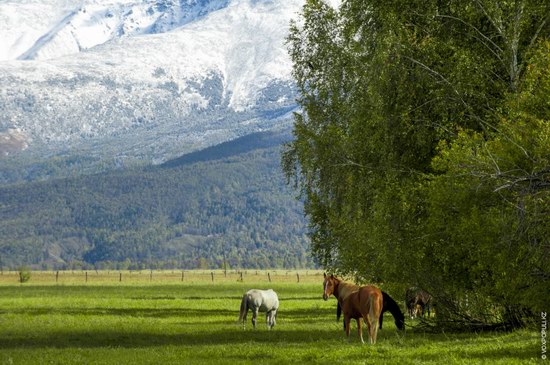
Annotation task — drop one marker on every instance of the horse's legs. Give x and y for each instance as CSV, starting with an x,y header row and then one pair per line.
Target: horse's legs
x,y
373,330
347,319
273,317
254,316
412,310
270,319
359,329
371,327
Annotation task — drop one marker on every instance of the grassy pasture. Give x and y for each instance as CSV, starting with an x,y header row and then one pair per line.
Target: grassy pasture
x,y
167,321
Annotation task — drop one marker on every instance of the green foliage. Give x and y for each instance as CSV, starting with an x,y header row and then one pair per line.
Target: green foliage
x,y
499,188
234,205
422,151
24,274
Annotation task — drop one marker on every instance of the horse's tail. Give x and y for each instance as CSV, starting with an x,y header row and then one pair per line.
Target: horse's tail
x,y
375,309
244,308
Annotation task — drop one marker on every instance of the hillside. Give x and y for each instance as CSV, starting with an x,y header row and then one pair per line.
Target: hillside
x,y
229,201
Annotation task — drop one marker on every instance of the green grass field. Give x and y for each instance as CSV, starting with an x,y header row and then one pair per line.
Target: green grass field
x,y
165,320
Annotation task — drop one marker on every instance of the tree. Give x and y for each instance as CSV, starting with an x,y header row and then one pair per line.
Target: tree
x,y
405,105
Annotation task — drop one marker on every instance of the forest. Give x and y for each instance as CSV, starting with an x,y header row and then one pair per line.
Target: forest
x,y
227,206
422,151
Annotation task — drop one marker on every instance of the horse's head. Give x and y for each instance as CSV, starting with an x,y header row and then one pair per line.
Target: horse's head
x,y
400,322
329,286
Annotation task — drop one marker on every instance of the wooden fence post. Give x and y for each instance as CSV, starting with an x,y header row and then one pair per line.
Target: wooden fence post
x,y
182,276
298,277
57,276
86,276
120,277
212,273
269,277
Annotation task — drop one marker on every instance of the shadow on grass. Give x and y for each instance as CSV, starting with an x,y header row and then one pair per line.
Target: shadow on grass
x,y
125,339
489,355
160,313
280,338
123,312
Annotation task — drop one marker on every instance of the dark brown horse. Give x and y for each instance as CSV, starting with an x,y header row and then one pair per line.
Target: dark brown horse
x,y
357,303
366,303
418,301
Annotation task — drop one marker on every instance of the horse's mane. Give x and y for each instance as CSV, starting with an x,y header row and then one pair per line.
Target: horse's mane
x,y
391,305
345,288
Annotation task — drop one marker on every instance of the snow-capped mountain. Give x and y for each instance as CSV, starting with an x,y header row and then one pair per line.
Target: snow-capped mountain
x,y
49,29
141,79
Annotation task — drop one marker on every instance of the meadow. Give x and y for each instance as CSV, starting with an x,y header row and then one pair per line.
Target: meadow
x,y
170,318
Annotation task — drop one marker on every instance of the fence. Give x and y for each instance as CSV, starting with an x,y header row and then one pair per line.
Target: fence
x,y
100,277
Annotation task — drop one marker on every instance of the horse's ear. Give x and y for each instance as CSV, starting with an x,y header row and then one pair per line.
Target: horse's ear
x,y
325,275
331,276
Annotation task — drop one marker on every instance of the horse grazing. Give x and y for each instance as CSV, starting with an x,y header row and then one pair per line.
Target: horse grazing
x,y
366,304
341,289
260,301
392,306
417,301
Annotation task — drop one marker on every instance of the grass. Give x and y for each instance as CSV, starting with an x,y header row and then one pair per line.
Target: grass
x,y
195,322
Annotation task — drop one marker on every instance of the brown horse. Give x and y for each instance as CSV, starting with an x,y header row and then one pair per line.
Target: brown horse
x,y
365,303
357,303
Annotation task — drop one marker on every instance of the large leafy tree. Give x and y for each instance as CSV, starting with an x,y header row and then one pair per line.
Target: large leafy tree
x,y
422,148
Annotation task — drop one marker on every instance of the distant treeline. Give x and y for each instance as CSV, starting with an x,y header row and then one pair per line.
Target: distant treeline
x,y
228,209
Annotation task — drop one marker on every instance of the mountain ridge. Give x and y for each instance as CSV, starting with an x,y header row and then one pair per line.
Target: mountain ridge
x,y
235,205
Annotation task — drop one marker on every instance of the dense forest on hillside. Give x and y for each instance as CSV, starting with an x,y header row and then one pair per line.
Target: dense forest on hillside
x,y
423,149
229,202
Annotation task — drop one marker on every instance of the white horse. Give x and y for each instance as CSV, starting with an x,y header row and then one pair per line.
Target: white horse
x,y
260,301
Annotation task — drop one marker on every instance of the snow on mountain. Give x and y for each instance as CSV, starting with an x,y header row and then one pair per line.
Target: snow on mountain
x,y
36,29
142,79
